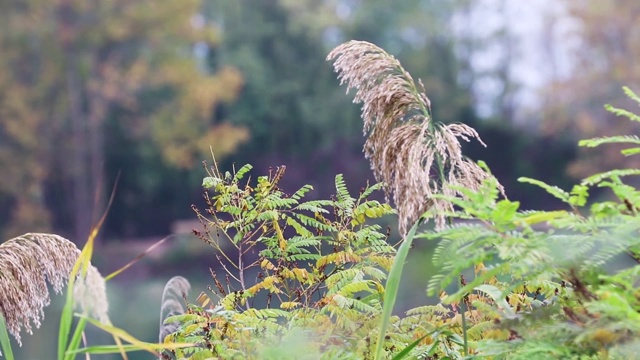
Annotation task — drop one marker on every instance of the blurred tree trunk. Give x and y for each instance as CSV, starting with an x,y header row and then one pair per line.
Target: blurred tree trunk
x,y
81,191
68,30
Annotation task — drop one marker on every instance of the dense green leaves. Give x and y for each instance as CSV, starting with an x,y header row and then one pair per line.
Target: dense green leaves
x,y
512,283
546,277
319,262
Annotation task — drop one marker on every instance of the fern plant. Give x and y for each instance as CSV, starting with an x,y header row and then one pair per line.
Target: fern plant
x,y
289,264
540,277
285,240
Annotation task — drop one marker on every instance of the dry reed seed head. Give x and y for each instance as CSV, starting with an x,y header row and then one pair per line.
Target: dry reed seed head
x,y
386,90
27,262
172,304
414,157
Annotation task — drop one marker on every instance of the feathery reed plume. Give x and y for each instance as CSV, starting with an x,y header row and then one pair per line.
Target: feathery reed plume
x,y
414,156
27,262
172,299
90,294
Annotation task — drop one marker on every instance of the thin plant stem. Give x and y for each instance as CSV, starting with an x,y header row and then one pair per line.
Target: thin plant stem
x,y
463,308
4,340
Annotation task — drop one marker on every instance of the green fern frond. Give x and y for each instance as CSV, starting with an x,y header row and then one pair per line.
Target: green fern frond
x,y
344,302
295,249
376,247
300,229
342,193
339,258
230,302
348,290
372,209
251,322
268,215
477,331
315,206
302,257
301,192
631,94
428,310
232,209
594,179
300,242
436,282
630,151
553,190
370,189
266,314
610,245
336,281
345,201
621,112
463,242
623,139
374,272
242,172
313,223
384,262
211,182
275,201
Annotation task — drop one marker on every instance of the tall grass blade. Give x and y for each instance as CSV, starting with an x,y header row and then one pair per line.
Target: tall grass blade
x,y
66,318
81,264
135,344
77,337
392,286
115,349
4,340
137,258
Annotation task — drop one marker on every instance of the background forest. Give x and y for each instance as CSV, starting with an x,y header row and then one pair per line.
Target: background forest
x,y
130,97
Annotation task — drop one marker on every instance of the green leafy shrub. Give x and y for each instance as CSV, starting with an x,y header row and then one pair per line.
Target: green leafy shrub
x,y
549,284
317,279
319,266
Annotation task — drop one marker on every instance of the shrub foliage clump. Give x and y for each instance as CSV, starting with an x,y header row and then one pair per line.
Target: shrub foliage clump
x,y
315,279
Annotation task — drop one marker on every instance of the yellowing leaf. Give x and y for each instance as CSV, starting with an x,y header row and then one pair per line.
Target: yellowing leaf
x,y
267,265
203,299
300,274
288,305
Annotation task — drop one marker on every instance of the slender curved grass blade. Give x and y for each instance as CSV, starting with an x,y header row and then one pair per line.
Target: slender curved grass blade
x,y
391,289
104,349
137,258
120,334
66,318
4,340
115,349
65,322
123,353
402,354
77,337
